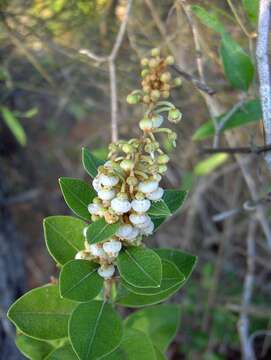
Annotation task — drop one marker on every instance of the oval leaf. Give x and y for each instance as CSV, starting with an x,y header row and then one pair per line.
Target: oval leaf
x,y
208,18
95,329
159,322
135,345
238,67
63,237
209,164
140,267
79,281
248,113
32,348
100,230
14,125
172,200
78,195
91,162
42,314
171,276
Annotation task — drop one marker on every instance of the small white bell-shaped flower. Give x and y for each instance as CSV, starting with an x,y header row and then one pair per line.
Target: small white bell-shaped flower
x,y
144,224
112,247
95,209
141,206
97,184
133,235
148,230
97,250
147,187
156,195
124,231
120,204
137,219
106,271
106,194
109,181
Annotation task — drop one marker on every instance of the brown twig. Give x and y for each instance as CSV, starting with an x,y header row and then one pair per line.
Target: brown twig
x,y
237,150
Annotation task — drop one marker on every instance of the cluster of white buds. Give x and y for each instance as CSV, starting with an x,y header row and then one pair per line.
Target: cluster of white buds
x,y
129,182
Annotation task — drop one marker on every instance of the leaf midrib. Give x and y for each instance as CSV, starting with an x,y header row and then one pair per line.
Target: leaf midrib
x,y
95,330
79,282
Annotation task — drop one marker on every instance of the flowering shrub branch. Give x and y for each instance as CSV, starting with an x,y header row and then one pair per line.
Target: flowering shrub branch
x,y
103,257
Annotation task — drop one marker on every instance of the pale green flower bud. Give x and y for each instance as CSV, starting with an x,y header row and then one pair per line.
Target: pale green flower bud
x,y
174,115
162,159
145,124
155,52
127,165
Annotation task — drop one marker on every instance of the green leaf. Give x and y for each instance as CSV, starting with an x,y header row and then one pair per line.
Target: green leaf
x,y
64,352
140,267
185,262
208,18
91,162
135,345
171,276
209,164
238,67
14,125
41,313
79,281
95,329
78,195
64,237
252,9
160,323
100,230
32,348
248,113
172,200
159,354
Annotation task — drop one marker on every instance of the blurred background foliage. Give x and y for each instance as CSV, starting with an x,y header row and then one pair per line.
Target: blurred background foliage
x,y
54,100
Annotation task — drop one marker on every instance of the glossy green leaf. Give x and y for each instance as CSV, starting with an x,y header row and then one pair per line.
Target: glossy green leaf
x,y
238,66
100,230
172,200
79,281
160,323
14,125
208,18
78,195
42,314
95,329
209,164
140,267
33,348
64,237
91,162
64,352
171,277
252,8
159,354
248,113
135,345
185,262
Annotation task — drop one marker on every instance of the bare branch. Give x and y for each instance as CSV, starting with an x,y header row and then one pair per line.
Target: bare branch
x,y
264,69
237,150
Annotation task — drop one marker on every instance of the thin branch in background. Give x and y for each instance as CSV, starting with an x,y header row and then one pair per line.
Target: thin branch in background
x,y
243,323
256,150
264,69
239,21
110,59
196,82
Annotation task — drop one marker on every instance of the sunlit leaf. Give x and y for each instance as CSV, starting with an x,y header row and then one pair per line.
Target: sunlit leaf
x,y
14,125
208,165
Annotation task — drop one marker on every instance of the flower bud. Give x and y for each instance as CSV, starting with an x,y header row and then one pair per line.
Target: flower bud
x,y
133,99
120,205
145,224
144,62
106,271
141,206
109,181
132,181
174,115
106,194
145,124
96,184
162,169
80,255
144,72
95,217
147,186
177,81
146,99
165,77
170,60
166,94
155,95
156,195
110,218
124,231
128,148
127,165
155,52
162,159
157,120
153,63
112,247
